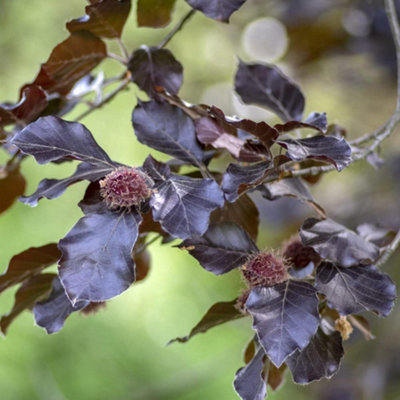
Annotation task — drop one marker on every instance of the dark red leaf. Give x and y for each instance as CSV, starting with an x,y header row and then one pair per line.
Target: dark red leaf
x,y
52,313
31,291
218,314
320,359
326,148
220,10
267,86
242,212
153,67
28,263
315,121
96,262
12,185
33,101
285,317
70,61
154,13
222,248
355,289
276,376
104,18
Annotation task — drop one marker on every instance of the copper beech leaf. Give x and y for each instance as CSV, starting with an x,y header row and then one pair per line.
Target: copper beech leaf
x,y
154,13
12,185
28,263
31,291
182,204
53,188
293,187
265,85
220,10
242,212
32,102
104,18
51,139
153,67
356,289
249,382
325,148
334,242
51,313
238,178
96,262
285,317
69,61
276,376
218,314
223,247
320,359
316,121
167,129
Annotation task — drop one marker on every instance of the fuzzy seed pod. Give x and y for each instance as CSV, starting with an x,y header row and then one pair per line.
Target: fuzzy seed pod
x,y
125,187
299,256
264,269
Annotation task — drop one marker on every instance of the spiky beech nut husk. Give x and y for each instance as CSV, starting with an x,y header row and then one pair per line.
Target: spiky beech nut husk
x,y
299,256
125,187
343,326
264,269
240,304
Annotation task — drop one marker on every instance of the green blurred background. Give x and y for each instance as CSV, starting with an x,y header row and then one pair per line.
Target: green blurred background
x,y
120,352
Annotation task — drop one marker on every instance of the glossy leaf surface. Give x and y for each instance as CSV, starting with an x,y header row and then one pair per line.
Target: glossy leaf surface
x,y
151,67
181,204
249,382
320,359
356,289
96,262
51,139
223,247
104,18
265,85
52,313
220,10
285,317
167,129
334,242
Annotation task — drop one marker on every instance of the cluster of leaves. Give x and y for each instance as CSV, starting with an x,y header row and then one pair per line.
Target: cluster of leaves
x,y
209,207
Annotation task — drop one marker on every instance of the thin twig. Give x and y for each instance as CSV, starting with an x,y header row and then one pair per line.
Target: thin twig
x,y
106,99
395,28
171,34
389,250
123,48
118,58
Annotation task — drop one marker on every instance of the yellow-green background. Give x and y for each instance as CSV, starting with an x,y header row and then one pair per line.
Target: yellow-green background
x,y
120,353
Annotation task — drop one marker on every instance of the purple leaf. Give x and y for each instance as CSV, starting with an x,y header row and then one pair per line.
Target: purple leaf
x,y
265,85
249,382
28,263
336,243
285,317
96,262
218,314
315,121
51,139
238,178
53,188
181,204
355,289
326,148
167,129
52,313
293,187
151,67
220,10
32,290
320,359
104,18
223,247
